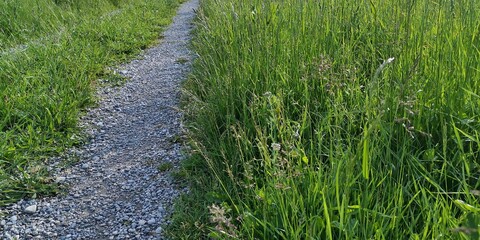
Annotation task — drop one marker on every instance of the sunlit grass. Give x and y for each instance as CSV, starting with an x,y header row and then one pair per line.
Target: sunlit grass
x,y
51,54
335,120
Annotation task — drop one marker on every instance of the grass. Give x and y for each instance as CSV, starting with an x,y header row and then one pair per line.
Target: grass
x,y
333,120
51,54
165,167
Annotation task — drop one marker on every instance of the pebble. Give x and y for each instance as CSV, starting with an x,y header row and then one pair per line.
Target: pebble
x,y
60,179
31,209
7,236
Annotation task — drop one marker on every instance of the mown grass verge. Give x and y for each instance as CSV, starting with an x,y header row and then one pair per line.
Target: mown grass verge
x,y
52,52
334,120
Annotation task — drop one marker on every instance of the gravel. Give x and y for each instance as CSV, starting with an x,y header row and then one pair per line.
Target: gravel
x,y
115,190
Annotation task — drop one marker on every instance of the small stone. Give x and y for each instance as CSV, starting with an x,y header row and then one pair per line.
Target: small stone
x,y
3,222
60,179
48,210
13,218
7,236
31,209
158,230
96,158
151,221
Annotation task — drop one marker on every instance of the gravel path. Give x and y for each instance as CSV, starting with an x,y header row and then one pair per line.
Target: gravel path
x,y
116,190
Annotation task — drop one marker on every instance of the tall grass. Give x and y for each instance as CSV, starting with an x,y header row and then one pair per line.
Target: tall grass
x,y
335,120
52,54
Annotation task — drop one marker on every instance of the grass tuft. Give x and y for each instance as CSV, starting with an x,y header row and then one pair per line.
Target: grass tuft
x,y
332,120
